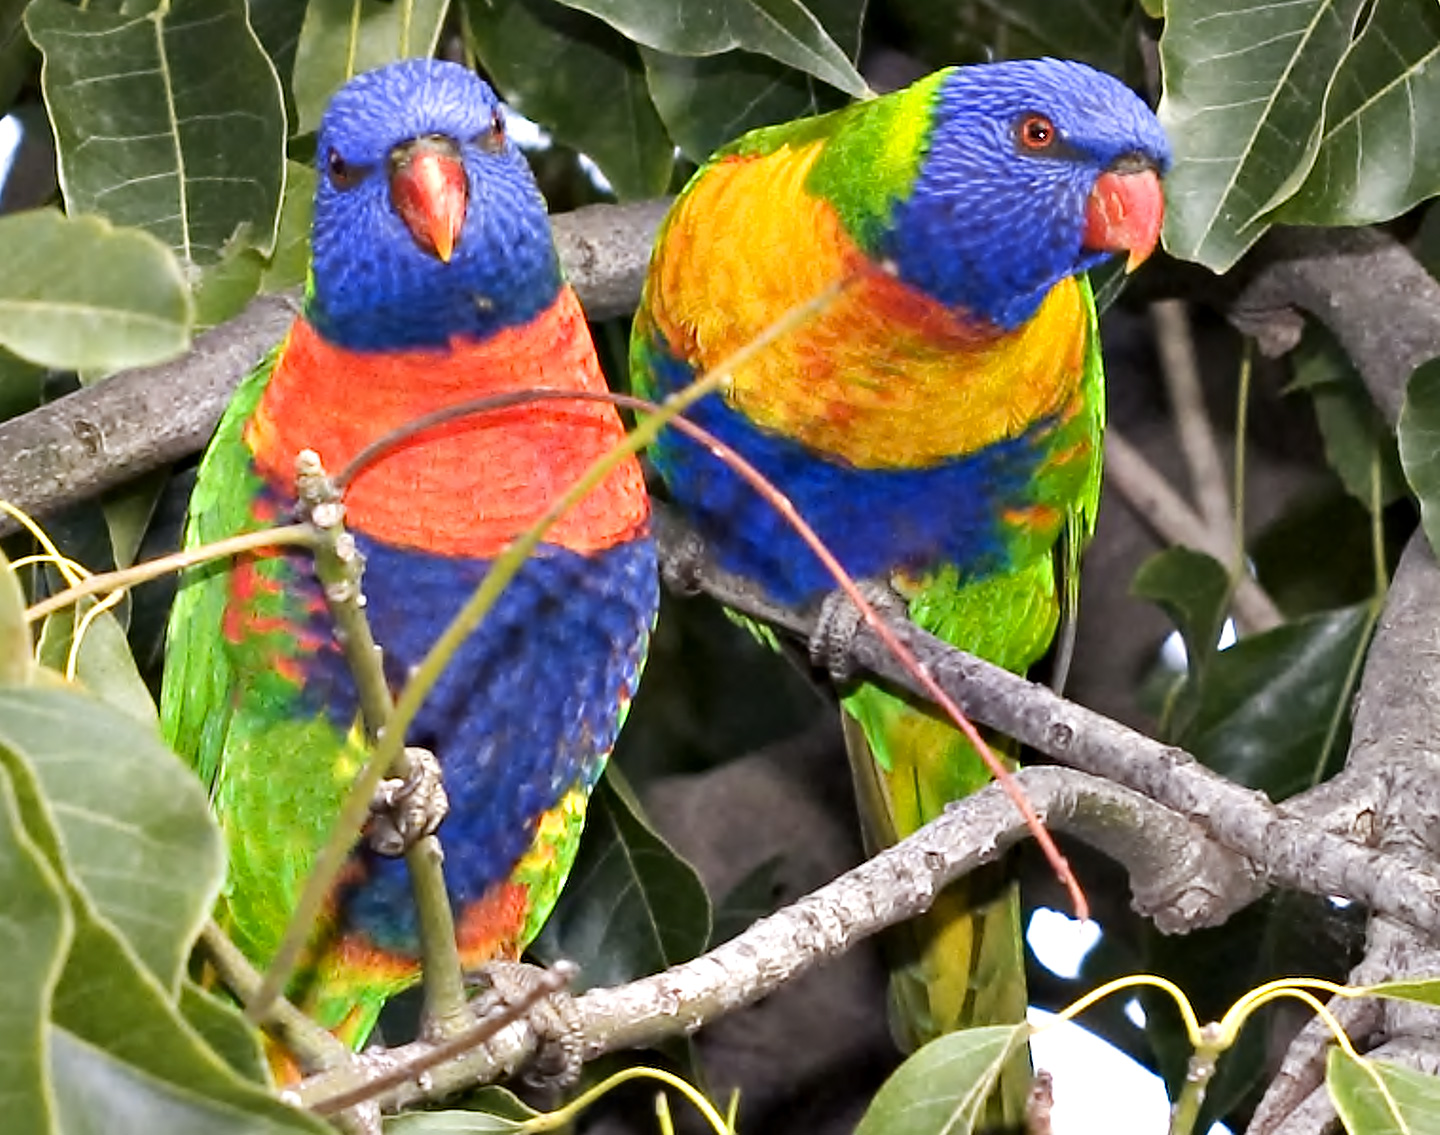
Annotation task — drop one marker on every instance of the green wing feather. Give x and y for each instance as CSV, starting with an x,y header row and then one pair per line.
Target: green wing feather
x,y
198,695
226,710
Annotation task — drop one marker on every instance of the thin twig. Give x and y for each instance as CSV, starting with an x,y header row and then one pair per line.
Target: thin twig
x,y
338,567
1146,491
101,583
1181,372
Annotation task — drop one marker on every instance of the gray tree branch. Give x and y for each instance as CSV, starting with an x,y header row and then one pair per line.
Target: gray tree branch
x,y
1364,286
1166,857
1380,303
1383,306
1285,848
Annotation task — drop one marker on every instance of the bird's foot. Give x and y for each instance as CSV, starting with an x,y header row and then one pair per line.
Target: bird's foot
x,y
406,810
840,620
519,990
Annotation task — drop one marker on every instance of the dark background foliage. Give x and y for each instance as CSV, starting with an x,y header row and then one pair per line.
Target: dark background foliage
x,y
161,181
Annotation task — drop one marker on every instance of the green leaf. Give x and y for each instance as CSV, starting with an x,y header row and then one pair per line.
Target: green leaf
x,y
77,293
707,101
226,1031
122,1057
942,1089
343,38
34,934
16,657
133,822
451,1123
1424,992
1359,445
784,30
15,50
631,905
496,1112
22,385
225,287
171,121
290,262
1244,98
103,664
1418,434
128,511
748,901
1276,706
1376,1097
1319,553
1194,590
277,25
1099,32
99,1094
581,80
1375,158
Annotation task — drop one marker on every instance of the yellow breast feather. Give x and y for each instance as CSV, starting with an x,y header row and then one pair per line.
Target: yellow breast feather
x,y
885,377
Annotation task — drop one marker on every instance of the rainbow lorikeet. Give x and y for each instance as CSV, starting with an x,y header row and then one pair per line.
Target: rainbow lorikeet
x,y
939,424
434,280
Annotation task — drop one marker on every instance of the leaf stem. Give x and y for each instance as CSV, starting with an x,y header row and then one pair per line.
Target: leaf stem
x,y
291,534
1198,1074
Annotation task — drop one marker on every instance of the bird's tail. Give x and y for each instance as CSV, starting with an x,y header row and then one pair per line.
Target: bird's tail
x,y
961,964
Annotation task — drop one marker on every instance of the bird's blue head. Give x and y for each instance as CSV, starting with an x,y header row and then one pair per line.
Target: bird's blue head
x,y
1035,170
428,223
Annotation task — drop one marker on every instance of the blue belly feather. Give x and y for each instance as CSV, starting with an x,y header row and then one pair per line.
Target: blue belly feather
x,y
876,521
529,706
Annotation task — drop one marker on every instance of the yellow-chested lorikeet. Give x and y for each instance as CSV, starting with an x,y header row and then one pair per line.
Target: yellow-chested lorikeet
x,y
939,424
434,280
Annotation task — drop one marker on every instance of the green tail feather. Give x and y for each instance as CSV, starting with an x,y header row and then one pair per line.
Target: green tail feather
x,y
962,964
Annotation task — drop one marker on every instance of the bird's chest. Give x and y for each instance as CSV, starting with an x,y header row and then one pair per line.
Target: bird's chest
x,y
888,380
466,485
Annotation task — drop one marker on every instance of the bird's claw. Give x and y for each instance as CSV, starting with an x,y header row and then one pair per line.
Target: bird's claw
x,y
406,810
544,1003
839,620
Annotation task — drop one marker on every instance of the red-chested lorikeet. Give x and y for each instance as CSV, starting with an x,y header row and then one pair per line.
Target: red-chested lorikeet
x,y
434,280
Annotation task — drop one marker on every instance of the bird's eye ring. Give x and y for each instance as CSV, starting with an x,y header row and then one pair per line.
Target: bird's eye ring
x,y
1036,132
492,139
344,175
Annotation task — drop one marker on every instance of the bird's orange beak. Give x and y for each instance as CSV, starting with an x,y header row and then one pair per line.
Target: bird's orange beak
x,y
1125,213
429,191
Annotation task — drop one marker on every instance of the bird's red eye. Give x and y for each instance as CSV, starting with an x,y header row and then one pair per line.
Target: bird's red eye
x,y
492,141
1037,132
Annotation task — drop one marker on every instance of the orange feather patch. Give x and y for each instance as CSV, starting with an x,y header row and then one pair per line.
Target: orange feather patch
x,y
468,487
491,928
